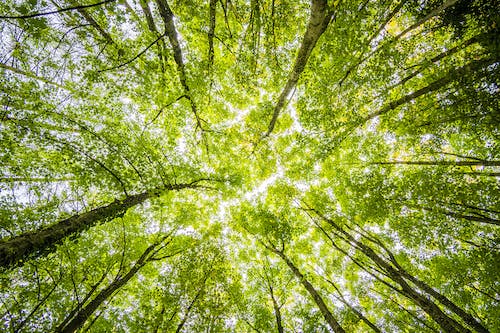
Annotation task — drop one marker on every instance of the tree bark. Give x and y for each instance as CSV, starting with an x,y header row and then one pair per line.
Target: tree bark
x,y
81,317
447,323
433,13
171,32
450,163
41,242
451,76
466,317
320,17
211,33
277,312
332,322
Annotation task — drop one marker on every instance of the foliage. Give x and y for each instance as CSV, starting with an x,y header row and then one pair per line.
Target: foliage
x,y
360,189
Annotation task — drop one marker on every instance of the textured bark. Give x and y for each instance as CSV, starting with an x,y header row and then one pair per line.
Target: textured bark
x,y
332,322
211,32
318,22
41,242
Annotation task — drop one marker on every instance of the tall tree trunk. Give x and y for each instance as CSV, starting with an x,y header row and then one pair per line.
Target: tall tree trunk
x,y
320,17
451,76
450,163
466,317
83,315
358,313
211,34
447,323
332,322
171,32
41,242
185,317
277,312
414,26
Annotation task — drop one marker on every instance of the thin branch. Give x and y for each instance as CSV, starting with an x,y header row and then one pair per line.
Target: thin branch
x,y
134,58
23,17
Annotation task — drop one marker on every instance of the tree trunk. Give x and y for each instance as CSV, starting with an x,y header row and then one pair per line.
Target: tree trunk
x,y
451,163
332,322
320,17
451,76
277,311
352,308
81,317
433,13
171,32
466,317
41,242
447,323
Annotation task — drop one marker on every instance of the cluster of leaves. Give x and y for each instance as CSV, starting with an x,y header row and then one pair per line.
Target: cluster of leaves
x,y
225,166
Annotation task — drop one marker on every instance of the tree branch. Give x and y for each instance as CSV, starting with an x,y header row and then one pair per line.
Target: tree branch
x,y
23,17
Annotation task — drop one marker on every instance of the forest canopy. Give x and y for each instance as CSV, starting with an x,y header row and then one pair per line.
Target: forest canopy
x,y
249,166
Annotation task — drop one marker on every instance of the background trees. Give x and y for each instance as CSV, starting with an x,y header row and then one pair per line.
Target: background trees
x,y
249,166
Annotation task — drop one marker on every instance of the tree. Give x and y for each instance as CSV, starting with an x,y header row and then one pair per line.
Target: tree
x,y
249,166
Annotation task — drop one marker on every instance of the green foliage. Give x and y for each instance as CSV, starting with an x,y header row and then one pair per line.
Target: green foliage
x,y
388,143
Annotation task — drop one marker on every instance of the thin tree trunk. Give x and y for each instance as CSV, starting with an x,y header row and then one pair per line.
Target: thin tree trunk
x,y
93,22
439,57
332,322
481,219
191,305
320,17
15,250
373,36
352,308
466,317
451,76
433,13
447,323
80,304
152,27
211,33
450,163
277,314
82,316
33,76
171,32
